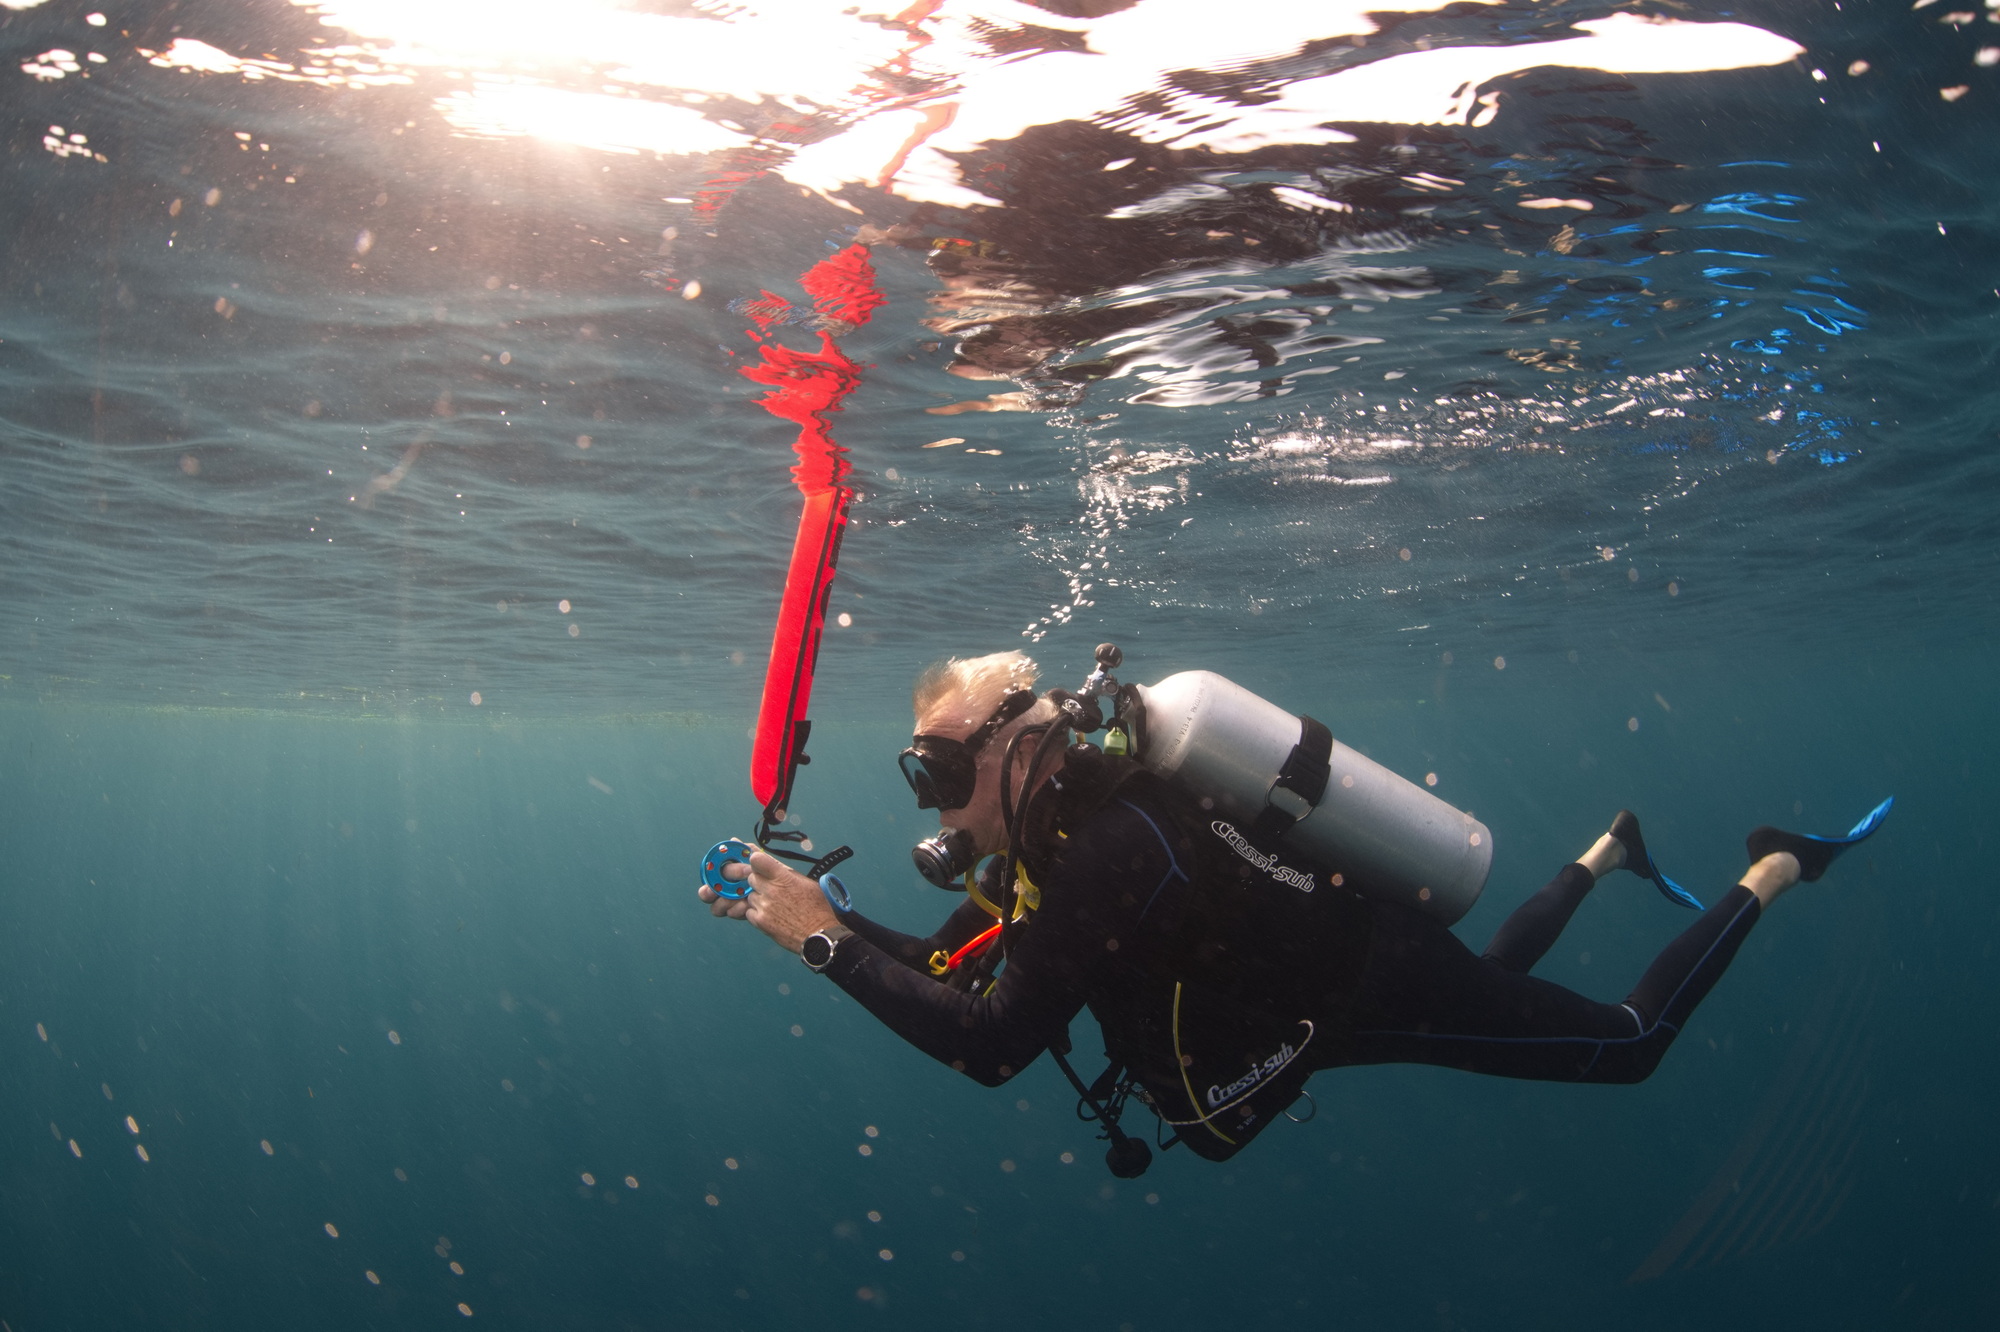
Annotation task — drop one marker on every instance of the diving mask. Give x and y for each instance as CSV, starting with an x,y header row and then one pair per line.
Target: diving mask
x,y
944,772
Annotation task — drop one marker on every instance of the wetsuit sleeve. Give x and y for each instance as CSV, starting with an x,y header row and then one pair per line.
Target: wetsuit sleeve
x,y
1094,895
959,929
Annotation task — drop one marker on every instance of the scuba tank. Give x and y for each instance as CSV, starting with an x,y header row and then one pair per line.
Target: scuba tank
x,y
1276,780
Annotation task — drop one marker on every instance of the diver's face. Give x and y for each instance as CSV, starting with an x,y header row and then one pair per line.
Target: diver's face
x,y
980,816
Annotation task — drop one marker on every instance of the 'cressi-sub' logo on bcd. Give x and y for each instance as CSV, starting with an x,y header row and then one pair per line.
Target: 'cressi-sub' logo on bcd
x,y
1284,874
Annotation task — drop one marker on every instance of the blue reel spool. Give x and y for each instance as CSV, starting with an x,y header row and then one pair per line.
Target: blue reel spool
x,y
728,851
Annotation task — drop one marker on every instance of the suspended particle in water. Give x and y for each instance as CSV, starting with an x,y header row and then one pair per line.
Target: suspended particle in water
x,y
140,1148
885,1254
1446,659
1499,663
583,441
465,1309
631,1181
872,1131
131,1125
589,1179
106,1088
1404,554
797,1030
401,1176
1673,589
1152,1199
456,1270
711,1200
575,630
41,1031
395,1038
563,606
265,1143
1068,1158
874,1216
1631,723
1430,779
729,1163
373,1280
75,1150
476,699
506,1084
692,291
1631,575
865,1149
1007,1166
332,1231
958,1255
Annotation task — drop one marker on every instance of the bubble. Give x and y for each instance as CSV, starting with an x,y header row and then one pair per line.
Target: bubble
x,y
1404,554
1430,779
332,1231
1447,659
1347,780
1152,1199
506,1084
797,1030
1499,663
589,1179
711,1200
875,1216
212,198
865,1149
131,1125
465,1308
885,1254
1631,723
94,20
1423,894
75,1150
631,1181
563,605
958,1255
265,1143
844,620
140,1148
373,1280
105,1087
692,291
575,630
402,1176
892,474
1631,575
456,1270
729,1163
1007,1166
584,441
1673,589
395,1038
41,1031
1475,839
476,699
872,1131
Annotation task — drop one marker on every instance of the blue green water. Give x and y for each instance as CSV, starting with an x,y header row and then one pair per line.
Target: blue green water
x,y
360,728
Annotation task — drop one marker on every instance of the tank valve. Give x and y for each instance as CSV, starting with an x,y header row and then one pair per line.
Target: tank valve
x,y
1102,684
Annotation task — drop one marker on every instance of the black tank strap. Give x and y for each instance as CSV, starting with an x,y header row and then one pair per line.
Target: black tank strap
x,y
1302,781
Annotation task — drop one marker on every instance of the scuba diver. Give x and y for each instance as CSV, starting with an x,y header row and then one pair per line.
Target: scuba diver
x,y
1238,899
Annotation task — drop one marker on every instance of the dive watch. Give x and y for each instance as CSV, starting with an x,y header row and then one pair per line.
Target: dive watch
x,y
818,949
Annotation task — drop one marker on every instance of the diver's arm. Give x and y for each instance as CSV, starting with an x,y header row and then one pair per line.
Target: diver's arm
x,y
959,929
988,1037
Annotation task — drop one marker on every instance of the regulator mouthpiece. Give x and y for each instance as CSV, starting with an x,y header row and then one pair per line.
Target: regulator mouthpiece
x,y
944,858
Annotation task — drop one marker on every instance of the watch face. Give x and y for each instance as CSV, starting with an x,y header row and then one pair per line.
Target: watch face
x,y
817,951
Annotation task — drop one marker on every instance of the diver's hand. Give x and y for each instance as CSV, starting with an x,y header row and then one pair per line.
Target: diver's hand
x,y
784,903
733,908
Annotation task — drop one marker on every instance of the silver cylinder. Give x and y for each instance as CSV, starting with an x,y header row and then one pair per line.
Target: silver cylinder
x,y
1383,835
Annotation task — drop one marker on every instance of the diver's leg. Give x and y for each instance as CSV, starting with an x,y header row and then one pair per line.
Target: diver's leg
x,y
1532,930
1424,998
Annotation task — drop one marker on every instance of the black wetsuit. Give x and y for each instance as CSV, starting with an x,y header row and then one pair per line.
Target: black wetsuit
x,y
1223,989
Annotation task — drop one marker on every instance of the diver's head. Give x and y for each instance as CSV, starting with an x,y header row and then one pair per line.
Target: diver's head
x,y
967,709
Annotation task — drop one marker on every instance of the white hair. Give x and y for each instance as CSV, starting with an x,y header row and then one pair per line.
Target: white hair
x,y
952,697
